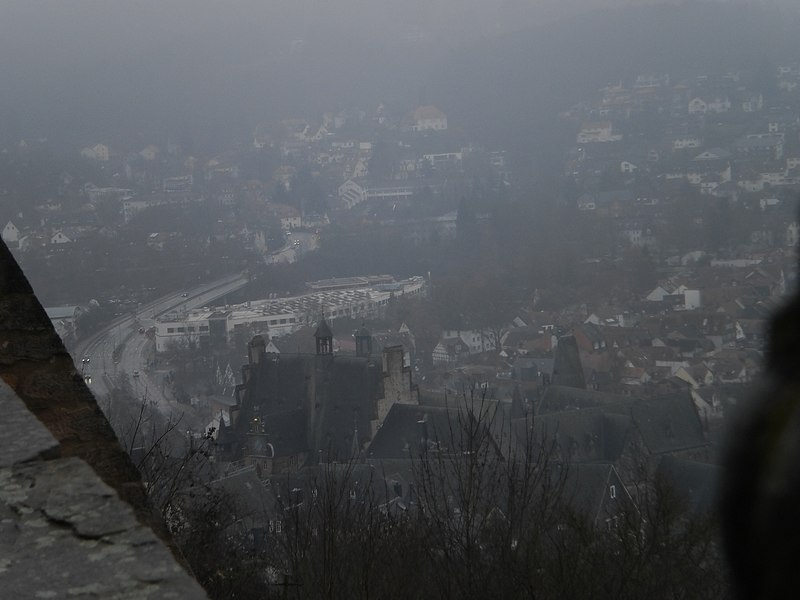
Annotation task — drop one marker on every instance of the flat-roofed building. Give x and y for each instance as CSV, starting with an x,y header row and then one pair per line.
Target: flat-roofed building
x,y
366,297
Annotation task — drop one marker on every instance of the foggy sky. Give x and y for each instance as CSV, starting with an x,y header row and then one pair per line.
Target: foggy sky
x,y
92,65
49,35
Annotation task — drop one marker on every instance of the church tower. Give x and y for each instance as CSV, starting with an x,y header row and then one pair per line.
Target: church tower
x,y
324,337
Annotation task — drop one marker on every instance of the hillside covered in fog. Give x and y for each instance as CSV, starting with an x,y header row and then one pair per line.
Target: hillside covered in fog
x,y
81,69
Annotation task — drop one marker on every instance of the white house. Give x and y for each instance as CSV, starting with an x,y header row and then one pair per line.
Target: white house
x,y
713,154
360,169
59,238
697,106
96,152
680,142
752,102
692,299
429,118
444,159
657,295
290,222
719,104
151,152
351,193
11,234
715,105
475,340
600,131
637,235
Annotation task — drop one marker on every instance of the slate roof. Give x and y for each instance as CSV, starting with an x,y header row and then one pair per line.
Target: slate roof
x,y
668,423
558,398
339,394
408,429
590,435
287,432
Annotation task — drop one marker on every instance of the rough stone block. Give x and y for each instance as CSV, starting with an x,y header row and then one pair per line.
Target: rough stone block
x,y
22,437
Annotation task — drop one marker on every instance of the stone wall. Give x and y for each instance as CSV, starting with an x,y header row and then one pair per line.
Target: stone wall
x,y
74,517
398,387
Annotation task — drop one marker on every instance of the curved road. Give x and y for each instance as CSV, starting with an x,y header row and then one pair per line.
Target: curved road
x,y
94,357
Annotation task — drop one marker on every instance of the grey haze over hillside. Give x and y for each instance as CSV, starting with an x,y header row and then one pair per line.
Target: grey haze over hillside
x,y
86,69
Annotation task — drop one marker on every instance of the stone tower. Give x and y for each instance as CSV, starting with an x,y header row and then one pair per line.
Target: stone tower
x,y
324,337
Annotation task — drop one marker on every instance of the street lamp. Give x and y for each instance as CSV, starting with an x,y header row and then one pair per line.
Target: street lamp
x,y
87,378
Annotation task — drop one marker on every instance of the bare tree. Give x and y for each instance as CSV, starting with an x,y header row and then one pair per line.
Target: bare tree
x,y
488,512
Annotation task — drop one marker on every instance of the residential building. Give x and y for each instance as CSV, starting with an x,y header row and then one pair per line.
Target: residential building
x,y
429,118
597,132
282,316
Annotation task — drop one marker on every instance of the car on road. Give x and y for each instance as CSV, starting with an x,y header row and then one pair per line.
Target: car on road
x,y
136,373
184,295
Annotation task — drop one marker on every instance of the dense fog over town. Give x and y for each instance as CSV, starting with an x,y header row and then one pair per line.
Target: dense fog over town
x,y
448,297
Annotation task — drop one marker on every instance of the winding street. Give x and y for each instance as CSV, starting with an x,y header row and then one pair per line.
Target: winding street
x,y
122,352
104,369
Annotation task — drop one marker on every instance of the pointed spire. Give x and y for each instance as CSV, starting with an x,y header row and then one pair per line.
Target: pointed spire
x,y
324,337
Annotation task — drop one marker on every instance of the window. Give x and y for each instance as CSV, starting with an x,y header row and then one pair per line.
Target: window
x,y
352,494
612,491
203,327
283,321
170,330
278,526
181,329
612,523
190,329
